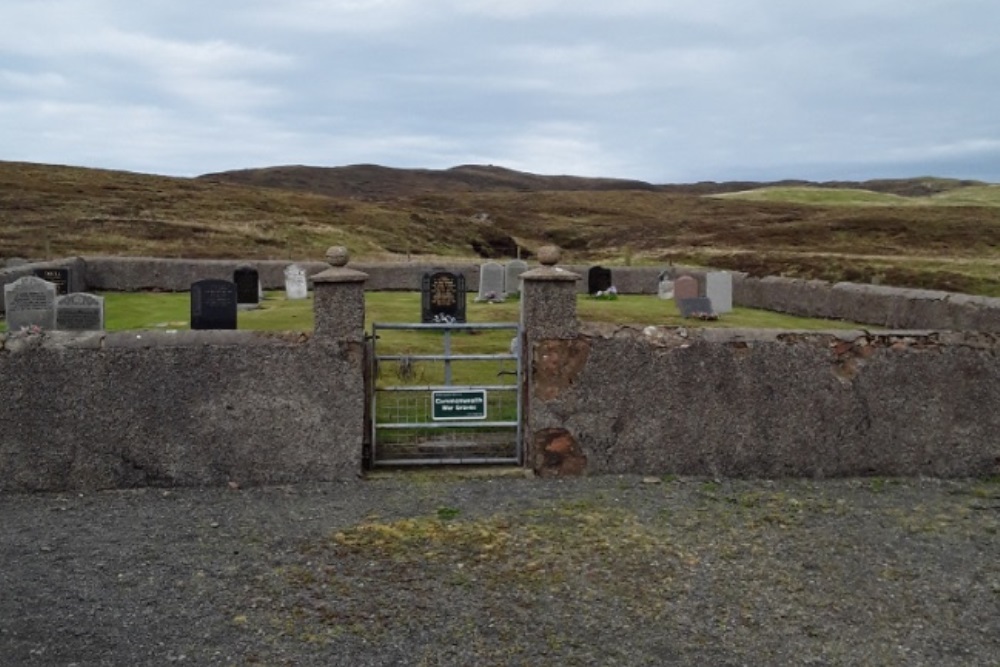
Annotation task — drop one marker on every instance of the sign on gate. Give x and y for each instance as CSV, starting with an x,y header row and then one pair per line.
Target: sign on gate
x,y
468,404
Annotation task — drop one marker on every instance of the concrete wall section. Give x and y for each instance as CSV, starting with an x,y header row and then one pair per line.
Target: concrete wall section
x,y
765,404
133,274
91,411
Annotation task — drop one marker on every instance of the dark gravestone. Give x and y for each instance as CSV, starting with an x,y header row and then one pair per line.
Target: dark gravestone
x,y
213,304
598,279
698,306
247,281
80,312
58,277
442,297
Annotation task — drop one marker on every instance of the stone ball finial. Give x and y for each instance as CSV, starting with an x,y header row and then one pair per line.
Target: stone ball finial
x,y
548,255
337,255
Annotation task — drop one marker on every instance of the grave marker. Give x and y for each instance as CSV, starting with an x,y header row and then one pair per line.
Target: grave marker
x,y
213,304
719,288
247,287
58,277
30,301
296,286
491,277
80,312
442,297
685,287
695,306
598,279
512,276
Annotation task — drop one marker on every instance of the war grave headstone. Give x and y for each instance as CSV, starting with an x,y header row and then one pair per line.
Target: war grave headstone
x,y
296,286
665,286
247,282
598,279
58,277
685,287
79,311
698,306
491,277
442,297
719,288
30,302
512,276
213,304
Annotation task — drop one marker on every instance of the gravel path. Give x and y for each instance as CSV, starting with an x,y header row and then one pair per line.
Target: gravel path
x,y
424,569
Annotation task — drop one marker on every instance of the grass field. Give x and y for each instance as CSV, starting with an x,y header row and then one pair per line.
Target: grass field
x,y
163,311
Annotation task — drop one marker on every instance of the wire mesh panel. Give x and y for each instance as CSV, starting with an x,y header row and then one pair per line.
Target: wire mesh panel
x,y
439,398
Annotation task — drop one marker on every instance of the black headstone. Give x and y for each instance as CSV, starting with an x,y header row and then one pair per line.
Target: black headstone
x,y
58,277
213,304
247,285
695,306
598,279
442,297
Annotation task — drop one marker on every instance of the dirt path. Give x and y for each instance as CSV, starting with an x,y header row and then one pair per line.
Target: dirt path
x,y
425,570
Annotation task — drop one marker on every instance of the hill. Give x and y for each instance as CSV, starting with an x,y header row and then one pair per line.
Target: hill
x,y
934,233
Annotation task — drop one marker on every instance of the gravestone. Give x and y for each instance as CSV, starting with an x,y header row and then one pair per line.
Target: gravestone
x,y
213,304
695,306
491,277
665,288
685,287
80,312
296,286
512,276
598,279
719,288
442,297
58,277
30,301
247,287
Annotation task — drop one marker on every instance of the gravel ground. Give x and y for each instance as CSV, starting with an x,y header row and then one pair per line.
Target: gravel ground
x,y
437,569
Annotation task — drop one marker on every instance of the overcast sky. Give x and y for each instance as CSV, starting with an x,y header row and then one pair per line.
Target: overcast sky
x,y
665,91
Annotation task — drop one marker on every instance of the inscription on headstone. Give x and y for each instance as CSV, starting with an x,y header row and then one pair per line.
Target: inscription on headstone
x,y
247,287
213,304
512,276
80,312
58,277
296,286
442,297
598,279
30,302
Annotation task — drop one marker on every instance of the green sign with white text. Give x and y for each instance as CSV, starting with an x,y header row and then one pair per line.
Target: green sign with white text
x,y
469,404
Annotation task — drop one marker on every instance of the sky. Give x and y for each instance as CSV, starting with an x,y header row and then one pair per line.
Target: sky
x,y
666,91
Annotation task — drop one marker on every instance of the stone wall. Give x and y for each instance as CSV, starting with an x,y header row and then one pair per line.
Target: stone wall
x,y
870,304
765,404
188,408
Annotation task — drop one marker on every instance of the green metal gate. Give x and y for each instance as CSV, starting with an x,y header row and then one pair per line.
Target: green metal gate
x,y
445,407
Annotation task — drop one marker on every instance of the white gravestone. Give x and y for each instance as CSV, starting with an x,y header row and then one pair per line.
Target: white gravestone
x,y
296,286
719,289
491,277
30,302
80,312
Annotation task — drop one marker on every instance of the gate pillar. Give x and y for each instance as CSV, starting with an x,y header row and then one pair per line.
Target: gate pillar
x,y
548,299
339,299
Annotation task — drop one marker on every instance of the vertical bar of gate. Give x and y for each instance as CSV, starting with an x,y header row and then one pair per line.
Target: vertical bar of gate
x,y
447,356
373,404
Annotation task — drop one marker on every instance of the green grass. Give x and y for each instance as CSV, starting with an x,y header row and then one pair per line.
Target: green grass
x,y
144,311
973,195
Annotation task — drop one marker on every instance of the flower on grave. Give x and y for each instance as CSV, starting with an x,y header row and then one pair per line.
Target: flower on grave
x,y
32,330
609,294
444,318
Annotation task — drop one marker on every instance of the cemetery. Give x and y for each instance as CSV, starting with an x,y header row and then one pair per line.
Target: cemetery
x,y
99,408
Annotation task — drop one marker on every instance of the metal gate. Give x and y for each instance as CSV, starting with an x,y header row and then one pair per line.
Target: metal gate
x,y
448,407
